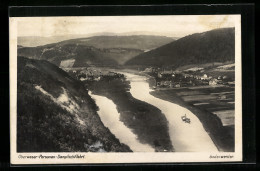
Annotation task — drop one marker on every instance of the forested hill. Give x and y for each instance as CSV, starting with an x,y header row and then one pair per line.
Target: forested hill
x,y
212,46
142,42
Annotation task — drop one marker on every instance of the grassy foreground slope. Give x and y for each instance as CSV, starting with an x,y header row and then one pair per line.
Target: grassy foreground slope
x,y
56,114
212,46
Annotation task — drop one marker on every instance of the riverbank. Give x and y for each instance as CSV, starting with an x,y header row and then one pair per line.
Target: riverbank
x,y
146,121
222,136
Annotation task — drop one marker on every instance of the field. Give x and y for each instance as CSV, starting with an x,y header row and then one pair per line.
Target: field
x,y
217,100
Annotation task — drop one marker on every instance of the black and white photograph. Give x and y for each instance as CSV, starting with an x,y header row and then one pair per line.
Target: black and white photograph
x,y
125,89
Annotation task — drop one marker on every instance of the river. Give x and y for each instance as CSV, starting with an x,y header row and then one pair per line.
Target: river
x,y
185,137
111,119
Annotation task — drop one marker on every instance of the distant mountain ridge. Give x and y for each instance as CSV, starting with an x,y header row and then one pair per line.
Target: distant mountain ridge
x,y
212,46
98,50
34,41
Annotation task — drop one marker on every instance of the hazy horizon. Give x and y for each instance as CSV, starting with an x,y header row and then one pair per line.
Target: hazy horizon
x,y
169,26
142,33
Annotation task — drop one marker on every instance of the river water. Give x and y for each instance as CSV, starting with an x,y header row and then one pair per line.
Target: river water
x,y
111,119
185,137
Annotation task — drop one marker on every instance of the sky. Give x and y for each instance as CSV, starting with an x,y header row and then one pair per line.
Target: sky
x,y
171,26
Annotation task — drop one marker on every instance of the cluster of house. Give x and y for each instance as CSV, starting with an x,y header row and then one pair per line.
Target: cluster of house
x,y
170,78
182,80
208,79
94,74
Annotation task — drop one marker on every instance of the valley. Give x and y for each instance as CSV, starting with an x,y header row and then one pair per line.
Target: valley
x,y
128,93
203,101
